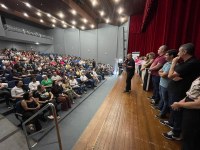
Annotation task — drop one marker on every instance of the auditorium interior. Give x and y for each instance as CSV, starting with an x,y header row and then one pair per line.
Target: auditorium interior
x,y
64,73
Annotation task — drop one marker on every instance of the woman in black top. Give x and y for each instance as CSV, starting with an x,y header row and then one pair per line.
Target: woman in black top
x,y
29,107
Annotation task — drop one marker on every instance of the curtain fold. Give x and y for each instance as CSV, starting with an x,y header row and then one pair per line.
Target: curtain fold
x,y
175,22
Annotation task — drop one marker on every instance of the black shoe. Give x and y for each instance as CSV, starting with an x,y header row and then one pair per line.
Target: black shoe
x,y
126,91
161,116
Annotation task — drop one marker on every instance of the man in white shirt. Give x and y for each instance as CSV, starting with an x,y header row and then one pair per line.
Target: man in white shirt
x,y
34,84
17,92
56,77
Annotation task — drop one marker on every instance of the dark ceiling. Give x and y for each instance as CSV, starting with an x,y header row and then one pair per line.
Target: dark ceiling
x,y
87,12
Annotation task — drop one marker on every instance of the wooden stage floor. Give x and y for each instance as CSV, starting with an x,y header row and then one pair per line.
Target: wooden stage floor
x,y
125,122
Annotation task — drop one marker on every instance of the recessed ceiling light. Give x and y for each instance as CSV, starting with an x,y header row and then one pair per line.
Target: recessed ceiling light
x,y
92,26
64,25
73,12
120,10
25,14
85,20
73,27
102,13
39,13
28,5
41,21
122,19
73,22
49,15
53,20
61,15
107,20
83,27
37,43
63,22
4,6
116,1
94,2
53,25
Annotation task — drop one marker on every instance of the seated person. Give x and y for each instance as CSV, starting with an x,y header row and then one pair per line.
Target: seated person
x,y
57,91
33,84
56,77
84,79
17,92
45,97
4,92
29,106
67,89
46,82
74,84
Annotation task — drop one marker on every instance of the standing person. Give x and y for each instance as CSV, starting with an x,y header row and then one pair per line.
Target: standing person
x,y
164,80
191,117
130,69
154,68
182,75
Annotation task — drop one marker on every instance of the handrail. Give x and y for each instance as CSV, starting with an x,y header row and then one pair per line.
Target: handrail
x,y
37,113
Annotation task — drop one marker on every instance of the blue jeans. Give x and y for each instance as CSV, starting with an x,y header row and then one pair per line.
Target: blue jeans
x,y
156,94
163,100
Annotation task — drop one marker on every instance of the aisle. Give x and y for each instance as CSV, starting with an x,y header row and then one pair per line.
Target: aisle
x,y
125,122
74,124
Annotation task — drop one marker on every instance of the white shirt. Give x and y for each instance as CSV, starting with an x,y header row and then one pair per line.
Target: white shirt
x,y
73,82
33,85
57,77
17,91
83,78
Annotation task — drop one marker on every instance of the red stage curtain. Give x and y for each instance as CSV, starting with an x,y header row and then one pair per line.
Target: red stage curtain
x,y
175,22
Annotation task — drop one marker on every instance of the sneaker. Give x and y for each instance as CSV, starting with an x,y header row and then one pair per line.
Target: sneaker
x,y
177,138
166,123
168,135
50,117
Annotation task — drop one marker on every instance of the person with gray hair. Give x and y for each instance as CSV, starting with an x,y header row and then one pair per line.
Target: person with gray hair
x,y
185,68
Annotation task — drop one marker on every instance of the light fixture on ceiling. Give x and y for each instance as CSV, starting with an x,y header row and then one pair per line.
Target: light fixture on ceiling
x,y
61,15
53,20
122,19
4,6
73,27
73,22
116,1
120,10
53,25
73,12
49,15
39,13
107,20
28,5
83,27
37,43
64,25
92,26
94,2
63,22
102,13
85,20
41,21
25,14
